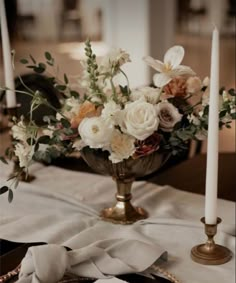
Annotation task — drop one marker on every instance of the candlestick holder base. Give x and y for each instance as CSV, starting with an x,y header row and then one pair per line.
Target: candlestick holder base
x,y
24,177
210,253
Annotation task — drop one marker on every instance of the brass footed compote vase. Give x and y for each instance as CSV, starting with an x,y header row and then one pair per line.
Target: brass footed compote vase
x,y
123,173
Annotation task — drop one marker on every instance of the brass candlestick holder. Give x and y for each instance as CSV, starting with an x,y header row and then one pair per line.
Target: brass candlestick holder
x,y
24,177
210,253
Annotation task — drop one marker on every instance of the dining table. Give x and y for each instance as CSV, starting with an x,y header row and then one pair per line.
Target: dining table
x,y
62,205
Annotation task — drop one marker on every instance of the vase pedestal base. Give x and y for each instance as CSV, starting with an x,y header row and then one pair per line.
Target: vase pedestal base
x,y
123,213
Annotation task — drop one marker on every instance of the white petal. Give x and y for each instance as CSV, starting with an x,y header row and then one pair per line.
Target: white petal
x,y
155,64
174,56
161,80
182,70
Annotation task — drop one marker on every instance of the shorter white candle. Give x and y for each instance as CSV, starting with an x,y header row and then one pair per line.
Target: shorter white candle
x,y
213,135
8,70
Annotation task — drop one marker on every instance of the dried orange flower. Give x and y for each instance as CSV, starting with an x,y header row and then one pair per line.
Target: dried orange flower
x,y
176,87
87,109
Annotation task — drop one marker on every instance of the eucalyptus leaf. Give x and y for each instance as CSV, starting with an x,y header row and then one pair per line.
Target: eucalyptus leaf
x,y
10,195
61,87
42,156
66,79
39,70
206,110
16,183
48,56
222,113
42,65
43,139
3,159
24,61
50,63
65,123
68,132
31,66
3,190
232,92
222,89
233,115
54,152
32,58
74,93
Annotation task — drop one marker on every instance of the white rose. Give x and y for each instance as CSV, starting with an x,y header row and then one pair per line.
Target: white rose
x,y
149,94
24,152
168,115
138,119
110,110
19,131
122,147
95,132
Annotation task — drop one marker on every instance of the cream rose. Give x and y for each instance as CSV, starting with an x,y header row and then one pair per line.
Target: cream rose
x,y
138,119
95,132
122,147
168,115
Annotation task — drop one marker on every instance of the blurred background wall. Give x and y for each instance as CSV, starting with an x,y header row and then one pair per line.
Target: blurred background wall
x,y
142,27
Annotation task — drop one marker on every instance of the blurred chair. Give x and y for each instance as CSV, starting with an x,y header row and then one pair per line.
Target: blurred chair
x,y
25,19
70,14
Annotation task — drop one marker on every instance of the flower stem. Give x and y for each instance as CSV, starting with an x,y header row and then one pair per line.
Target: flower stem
x,y
126,80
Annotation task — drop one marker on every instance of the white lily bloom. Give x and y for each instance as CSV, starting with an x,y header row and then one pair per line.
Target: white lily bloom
x,y
170,68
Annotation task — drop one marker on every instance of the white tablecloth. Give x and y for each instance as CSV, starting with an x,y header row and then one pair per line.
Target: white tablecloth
x,y
62,207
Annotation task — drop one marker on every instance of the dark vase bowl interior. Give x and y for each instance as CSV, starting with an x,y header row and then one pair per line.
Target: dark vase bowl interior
x,y
129,168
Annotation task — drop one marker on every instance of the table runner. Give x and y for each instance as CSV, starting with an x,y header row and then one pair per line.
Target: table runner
x,y
62,207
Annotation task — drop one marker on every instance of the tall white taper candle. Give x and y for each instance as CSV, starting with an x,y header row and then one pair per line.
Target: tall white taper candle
x,y
8,70
213,135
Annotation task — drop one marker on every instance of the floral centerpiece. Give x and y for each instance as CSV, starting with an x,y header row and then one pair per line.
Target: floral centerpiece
x,y
123,122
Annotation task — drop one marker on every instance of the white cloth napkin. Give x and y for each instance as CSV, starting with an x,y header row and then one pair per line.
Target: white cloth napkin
x,y
48,263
